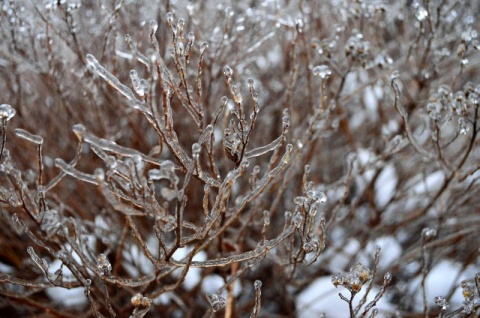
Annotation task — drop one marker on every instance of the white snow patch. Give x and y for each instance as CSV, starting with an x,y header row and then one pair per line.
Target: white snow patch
x,y
212,283
339,259
55,265
163,299
194,275
370,101
67,297
390,128
391,250
335,194
136,259
385,185
430,183
5,269
438,283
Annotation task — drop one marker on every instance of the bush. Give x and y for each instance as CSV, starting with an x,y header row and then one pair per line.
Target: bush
x,y
195,158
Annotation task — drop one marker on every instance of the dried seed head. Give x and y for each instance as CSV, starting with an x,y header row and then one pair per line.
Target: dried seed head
x,y
361,271
337,279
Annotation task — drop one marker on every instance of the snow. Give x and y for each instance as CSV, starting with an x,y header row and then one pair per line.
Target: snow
x,y
385,185
391,251
5,269
430,183
136,261
440,279
338,259
322,297
55,265
370,101
365,157
67,297
212,283
194,275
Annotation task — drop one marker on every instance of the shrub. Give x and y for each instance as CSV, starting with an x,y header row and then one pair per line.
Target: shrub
x,y
204,158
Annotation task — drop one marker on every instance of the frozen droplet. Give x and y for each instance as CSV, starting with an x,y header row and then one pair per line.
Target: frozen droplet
x,y
297,219
317,196
250,82
144,84
468,307
429,233
229,12
204,46
111,162
312,246
180,48
169,17
237,96
196,149
157,174
6,112
190,37
299,24
103,264
217,302
463,127
153,26
255,96
168,224
323,71
421,13
285,121
442,302
133,74
299,200
227,71
40,262
352,282
387,278
266,217
136,83
288,216
312,194
136,299
168,165
79,130
257,284
224,100
395,75
99,174
92,60
180,24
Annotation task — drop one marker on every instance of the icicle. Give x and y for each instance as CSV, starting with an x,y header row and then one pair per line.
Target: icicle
x,y
28,136
110,78
263,150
